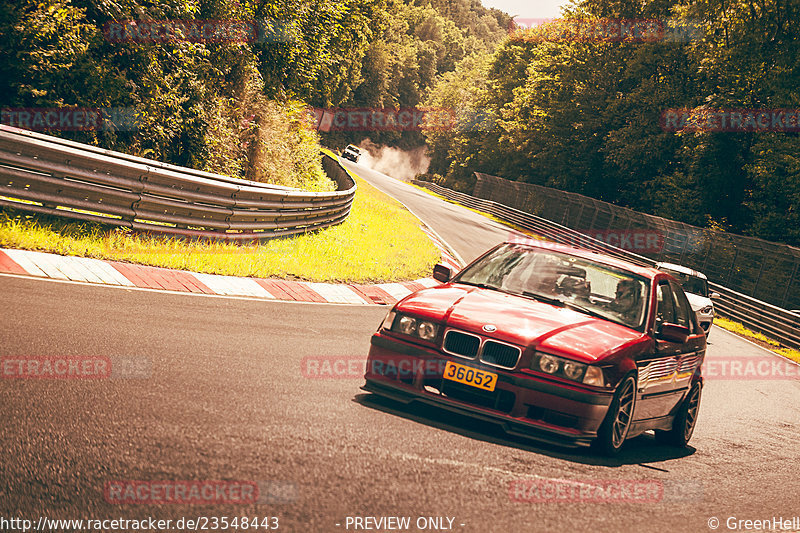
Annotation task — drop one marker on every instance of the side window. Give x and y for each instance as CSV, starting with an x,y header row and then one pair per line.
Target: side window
x,y
665,305
683,311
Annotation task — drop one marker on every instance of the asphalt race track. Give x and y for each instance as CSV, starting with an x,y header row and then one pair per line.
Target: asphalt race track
x,y
230,389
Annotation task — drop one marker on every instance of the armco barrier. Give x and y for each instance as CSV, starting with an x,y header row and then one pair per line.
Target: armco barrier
x,y
761,269
775,322
50,175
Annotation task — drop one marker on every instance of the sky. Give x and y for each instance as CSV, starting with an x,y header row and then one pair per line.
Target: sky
x,y
528,8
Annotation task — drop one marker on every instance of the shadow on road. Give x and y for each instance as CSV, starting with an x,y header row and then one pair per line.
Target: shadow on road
x,y
640,450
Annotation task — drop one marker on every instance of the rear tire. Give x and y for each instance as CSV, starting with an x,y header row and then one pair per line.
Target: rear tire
x,y
685,420
614,429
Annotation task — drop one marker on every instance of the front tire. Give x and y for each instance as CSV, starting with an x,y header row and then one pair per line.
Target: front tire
x,y
614,429
685,420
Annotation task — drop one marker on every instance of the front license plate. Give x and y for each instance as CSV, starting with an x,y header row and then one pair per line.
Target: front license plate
x,y
470,376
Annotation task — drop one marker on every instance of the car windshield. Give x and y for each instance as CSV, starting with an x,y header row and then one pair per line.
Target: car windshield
x,y
561,279
690,283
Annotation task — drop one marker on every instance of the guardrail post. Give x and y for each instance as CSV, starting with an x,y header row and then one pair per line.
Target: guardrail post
x,y
758,278
786,290
685,246
733,263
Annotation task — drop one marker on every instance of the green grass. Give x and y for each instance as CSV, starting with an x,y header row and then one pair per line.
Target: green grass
x,y
379,242
490,216
761,339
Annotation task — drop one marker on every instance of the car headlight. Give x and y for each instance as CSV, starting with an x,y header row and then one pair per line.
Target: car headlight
x,y
426,330
548,363
707,310
414,327
407,325
566,368
574,370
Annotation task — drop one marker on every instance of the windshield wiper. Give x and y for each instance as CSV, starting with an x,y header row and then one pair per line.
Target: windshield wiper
x,y
544,298
481,285
564,303
582,309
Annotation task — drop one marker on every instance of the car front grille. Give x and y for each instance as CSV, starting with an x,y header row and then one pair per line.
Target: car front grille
x,y
491,352
462,344
498,354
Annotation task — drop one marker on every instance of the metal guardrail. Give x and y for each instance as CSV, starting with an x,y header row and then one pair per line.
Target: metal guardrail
x,y
46,174
761,269
774,322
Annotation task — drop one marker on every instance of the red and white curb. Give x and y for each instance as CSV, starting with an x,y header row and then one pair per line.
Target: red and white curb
x,y
86,270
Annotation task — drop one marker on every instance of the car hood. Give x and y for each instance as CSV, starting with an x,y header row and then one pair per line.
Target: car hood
x,y
697,302
521,321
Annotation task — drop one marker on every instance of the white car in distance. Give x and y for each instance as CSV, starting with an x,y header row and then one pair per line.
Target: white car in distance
x,y
695,285
353,153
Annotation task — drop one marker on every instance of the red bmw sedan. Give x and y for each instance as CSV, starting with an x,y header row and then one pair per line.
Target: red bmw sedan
x,y
559,344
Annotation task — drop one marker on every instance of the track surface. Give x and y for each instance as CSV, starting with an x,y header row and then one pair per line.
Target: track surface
x,y
226,398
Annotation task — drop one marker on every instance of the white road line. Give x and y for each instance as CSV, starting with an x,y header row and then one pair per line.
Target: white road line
x,y
450,248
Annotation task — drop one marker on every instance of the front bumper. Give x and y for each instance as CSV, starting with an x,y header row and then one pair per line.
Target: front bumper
x,y
521,404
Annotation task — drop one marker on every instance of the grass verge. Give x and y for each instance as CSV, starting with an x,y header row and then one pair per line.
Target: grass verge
x,y
490,216
379,242
759,338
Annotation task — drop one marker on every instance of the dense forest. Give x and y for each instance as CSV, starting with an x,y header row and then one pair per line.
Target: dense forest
x,y
584,115
236,104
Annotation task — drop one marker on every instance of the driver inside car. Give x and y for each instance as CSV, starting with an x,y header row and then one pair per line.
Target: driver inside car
x,y
626,301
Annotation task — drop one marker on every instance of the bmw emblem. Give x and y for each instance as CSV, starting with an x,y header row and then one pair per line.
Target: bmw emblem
x,y
489,328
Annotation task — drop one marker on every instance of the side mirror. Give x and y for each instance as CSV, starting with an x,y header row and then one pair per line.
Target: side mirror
x,y
715,296
441,273
673,333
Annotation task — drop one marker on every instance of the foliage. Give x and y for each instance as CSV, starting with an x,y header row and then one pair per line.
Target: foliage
x,y
585,116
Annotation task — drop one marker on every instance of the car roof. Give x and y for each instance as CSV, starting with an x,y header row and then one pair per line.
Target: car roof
x,y
608,260
682,269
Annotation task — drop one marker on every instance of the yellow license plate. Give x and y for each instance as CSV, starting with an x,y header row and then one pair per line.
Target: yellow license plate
x,y
470,376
